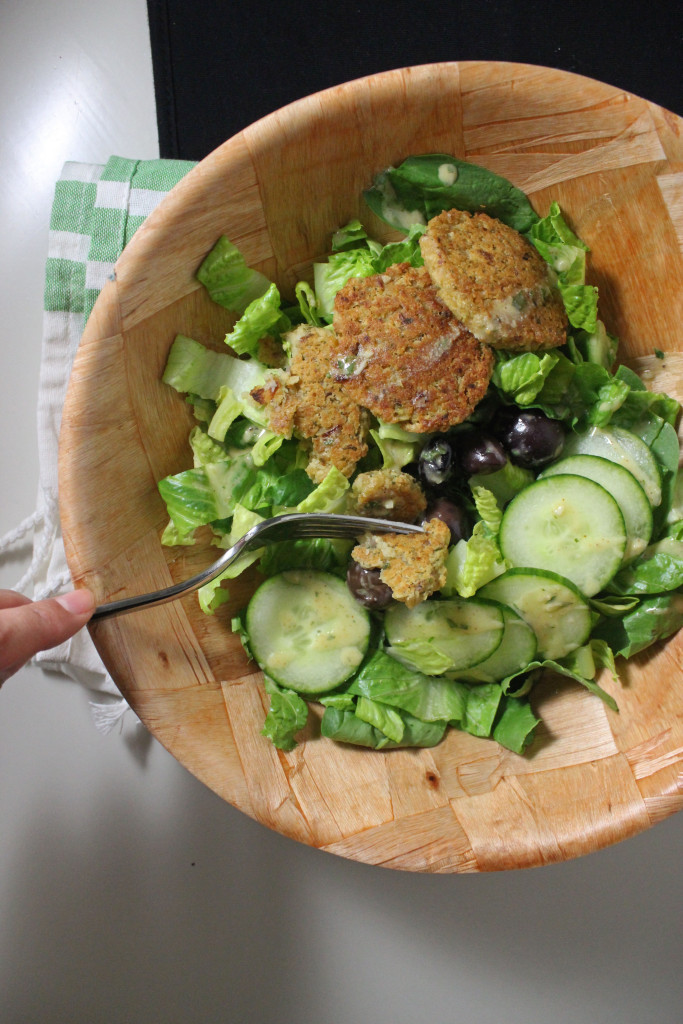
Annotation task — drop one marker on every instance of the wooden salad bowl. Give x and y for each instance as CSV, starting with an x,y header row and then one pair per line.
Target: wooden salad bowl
x,y
614,162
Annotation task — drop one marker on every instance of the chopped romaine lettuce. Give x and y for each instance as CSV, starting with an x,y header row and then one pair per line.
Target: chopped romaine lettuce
x,y
228,279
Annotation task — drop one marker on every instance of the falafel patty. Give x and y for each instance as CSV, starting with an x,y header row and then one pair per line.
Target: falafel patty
x,y
307,401
388,494
413,566
494,281
401,353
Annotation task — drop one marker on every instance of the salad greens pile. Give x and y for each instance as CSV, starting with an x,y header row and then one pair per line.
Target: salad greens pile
x,y
243,472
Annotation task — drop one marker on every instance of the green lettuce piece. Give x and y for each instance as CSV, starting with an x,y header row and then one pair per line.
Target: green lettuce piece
x,y
308,304
482,707
381,717
205,449
229,407
227,278
340,701
329,496
567,667
395,454
258,320
523,376
423,186
566,254
488,509
287,715
385,680
211,595
422,655
515,725
191,368
504,483
581,305
640,402
190,502
596,346
473,563
406,251
322,553
266,444
345,727
658,569
352,236
653,618
330,276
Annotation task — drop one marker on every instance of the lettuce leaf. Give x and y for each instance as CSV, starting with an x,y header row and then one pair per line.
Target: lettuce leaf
x,y
191,368
346,727
653,619
566,254
287,715
385,680
423,186
473,563
258,320
227,278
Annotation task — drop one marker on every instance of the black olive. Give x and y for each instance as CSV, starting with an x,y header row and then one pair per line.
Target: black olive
x,y
452,515
367,587
436,462
481,453
530,437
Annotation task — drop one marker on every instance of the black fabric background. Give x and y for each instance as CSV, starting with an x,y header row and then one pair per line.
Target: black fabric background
x,y
221,64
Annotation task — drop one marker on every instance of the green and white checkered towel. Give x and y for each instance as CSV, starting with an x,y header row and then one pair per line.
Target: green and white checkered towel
x,y
96,210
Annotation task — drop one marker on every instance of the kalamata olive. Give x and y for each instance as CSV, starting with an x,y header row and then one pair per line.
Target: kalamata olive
x,y
481,453
530,437
452,515
367,588
436,461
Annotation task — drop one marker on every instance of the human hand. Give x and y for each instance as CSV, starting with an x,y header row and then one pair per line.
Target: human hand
x,y
27,627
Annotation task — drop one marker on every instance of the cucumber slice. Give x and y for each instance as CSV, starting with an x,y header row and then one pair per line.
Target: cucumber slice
x,y
306,630
626,449
517,648
624,488
567,524
444,635
556,611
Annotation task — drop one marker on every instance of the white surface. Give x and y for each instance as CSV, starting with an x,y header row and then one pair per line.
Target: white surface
x,y
129,892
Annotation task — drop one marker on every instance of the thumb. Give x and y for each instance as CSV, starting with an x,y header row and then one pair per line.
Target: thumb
x,y
34,626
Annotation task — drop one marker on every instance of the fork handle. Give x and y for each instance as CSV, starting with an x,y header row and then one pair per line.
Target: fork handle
x,y
166,594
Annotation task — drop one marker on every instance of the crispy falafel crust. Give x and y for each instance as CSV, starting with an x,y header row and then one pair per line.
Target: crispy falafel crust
x,y
401,353
308,402
494,281
388,494
413,566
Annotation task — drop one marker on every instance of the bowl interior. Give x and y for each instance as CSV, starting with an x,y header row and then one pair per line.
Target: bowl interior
x,y
614,162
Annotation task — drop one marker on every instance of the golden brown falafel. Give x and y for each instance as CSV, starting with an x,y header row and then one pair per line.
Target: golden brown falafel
x,y
308,402
494,281
388,494
401,353
413,566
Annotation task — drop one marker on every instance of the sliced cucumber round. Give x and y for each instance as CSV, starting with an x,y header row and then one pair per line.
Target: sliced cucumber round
x,y
306,630
620,446
444,635
624,488
517,648
565,524
554,608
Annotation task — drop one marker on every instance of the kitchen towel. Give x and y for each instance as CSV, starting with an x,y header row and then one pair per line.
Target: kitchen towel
x,y
96,210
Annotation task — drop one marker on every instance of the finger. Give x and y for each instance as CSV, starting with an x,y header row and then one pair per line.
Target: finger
x,y
10,599
34,626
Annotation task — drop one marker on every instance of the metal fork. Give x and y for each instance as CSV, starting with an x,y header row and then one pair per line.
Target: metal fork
x,y
290,526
